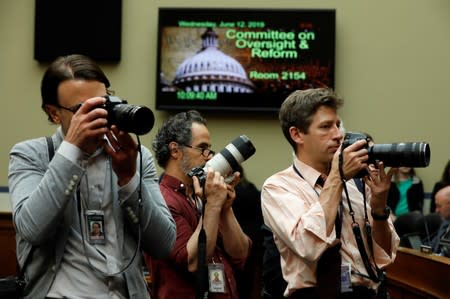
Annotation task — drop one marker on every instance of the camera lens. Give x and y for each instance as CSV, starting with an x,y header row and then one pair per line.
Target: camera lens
x,y
228,160
239,150
407,154
132,118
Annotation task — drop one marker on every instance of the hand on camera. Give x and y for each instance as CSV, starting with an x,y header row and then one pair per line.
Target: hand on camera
x,y
231,193
216,190
355,158
88,125
379,183
123,151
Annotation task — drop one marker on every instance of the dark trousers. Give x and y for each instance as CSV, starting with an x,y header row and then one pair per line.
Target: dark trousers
x,y
357,293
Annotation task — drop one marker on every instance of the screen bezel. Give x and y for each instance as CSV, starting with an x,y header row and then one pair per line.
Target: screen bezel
x,y
261,102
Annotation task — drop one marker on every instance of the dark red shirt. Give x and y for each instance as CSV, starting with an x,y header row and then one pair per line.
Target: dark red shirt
x,y
170,277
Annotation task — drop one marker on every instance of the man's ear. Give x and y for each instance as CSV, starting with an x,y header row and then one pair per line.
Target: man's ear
x,y
53,112
296,135
174,149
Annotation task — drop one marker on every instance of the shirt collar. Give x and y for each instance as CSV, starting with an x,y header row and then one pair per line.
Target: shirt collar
x,y
173,183
309,174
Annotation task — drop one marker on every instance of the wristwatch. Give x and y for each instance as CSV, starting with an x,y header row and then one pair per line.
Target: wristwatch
x,y
382,217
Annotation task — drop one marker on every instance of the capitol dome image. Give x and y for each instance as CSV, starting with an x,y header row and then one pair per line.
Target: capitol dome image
x,y
211,70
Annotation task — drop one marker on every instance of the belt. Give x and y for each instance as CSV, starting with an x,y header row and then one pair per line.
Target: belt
x,y
358,292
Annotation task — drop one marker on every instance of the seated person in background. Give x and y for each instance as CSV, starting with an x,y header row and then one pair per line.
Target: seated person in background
x,y
443,209
247,209
406,193
445,181
181,144
273,283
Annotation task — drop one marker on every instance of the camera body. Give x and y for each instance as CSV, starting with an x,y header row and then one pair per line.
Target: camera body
x,y
129,118
227,160
405,154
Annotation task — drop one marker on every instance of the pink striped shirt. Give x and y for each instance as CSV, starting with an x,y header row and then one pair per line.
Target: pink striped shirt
x,y
292,210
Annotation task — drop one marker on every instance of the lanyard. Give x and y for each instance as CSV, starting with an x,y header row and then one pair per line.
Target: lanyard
x,y
338,221
376,277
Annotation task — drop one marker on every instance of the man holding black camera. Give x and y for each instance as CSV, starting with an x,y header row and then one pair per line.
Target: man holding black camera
x,y
88,171
207,230
332,241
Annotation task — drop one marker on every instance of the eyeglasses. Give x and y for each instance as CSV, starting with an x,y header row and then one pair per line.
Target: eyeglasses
x,y
72,109
206,152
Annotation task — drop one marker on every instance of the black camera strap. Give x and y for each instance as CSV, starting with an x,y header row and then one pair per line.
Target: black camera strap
x,y
51,153
21,277
376,277
201,276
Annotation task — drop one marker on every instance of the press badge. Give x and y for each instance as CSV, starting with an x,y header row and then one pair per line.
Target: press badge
x,y
346,278
95,227
216,279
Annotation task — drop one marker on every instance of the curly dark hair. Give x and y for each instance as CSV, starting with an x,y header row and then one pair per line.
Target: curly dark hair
x,y
177,128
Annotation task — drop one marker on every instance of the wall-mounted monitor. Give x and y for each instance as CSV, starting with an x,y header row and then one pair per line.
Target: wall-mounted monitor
x,y
241,59
90,27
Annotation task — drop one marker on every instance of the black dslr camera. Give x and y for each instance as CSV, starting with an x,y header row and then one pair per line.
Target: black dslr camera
x,y
129,118
406,154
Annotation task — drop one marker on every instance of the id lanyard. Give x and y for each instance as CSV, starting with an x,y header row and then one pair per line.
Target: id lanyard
x,y
338,221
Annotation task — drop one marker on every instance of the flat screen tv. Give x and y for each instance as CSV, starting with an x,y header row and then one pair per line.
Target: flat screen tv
x,y
89,27
241,59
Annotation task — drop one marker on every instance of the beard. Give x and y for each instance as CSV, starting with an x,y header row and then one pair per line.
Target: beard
x,y
187,165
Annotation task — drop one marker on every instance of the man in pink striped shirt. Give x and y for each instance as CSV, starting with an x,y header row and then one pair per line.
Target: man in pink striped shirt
x,y
313,205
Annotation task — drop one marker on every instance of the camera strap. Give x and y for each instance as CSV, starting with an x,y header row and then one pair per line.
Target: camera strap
x,y
138,223
374,276
51,153
201,277
320,182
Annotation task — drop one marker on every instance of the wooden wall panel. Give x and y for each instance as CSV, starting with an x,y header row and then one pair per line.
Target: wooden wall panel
x,y
8,264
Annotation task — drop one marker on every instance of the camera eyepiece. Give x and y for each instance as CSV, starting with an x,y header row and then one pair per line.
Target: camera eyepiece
x,y
129,118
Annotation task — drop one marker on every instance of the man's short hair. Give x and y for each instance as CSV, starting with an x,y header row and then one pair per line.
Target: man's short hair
x,y
300,106
70,67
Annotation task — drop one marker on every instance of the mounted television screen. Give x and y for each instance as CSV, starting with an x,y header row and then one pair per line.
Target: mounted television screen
x,y
93,28
241,59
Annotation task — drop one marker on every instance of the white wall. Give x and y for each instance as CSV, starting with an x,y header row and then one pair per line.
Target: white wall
x,y
4,202
392,68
